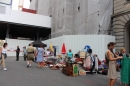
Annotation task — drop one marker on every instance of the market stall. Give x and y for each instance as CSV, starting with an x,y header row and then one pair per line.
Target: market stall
x,y
86,63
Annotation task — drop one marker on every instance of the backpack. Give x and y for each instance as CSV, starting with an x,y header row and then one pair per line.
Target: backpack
x,y
105,72
107,60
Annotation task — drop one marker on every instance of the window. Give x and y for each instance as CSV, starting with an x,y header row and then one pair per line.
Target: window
x,y
63,11
79,8
128,0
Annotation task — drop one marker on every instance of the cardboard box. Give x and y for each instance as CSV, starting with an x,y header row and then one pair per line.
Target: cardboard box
x,y
82,54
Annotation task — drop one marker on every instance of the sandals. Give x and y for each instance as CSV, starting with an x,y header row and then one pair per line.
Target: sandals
x,y
123,84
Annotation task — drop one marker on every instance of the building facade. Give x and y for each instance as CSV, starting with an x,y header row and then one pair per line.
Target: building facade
x,y
121,24
76,17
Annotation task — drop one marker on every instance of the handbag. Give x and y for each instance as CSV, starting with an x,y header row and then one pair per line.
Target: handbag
x,y
5,55
0,56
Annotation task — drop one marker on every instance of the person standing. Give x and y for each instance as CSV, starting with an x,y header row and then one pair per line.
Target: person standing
x,y
40,56
17,53
30,55
111,59
125,71
48,53
24,53
3,53
93,64
70,54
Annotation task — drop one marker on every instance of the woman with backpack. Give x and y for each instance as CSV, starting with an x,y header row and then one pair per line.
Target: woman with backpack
x,y
111,63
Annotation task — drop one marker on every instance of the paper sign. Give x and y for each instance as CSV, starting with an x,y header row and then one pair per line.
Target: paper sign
x,y
12,48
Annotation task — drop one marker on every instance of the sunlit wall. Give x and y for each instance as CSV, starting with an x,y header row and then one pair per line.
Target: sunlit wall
x,y
15,4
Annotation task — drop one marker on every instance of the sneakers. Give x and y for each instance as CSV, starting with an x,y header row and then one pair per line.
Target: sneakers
x,y
30,65
5,69
27,66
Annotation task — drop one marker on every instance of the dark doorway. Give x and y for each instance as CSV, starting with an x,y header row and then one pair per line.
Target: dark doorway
x,y
127,38
24,31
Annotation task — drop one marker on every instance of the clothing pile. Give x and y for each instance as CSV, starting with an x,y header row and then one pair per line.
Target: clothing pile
x,y
54,62
91,62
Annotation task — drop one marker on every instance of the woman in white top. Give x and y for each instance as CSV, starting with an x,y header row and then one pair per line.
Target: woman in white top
x,y
3,52
48,52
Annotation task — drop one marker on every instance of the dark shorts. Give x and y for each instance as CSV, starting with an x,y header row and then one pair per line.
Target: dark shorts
x,y
30,56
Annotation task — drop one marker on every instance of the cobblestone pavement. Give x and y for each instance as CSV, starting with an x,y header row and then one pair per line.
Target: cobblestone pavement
x,y
18,75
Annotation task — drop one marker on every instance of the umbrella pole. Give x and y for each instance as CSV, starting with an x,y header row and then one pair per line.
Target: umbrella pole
x,y
63,56
38,34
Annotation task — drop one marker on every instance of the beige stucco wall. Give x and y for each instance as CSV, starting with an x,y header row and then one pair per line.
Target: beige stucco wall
x,y
121,5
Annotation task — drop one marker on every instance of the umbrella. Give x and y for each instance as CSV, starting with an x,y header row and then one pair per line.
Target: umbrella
x,y
63,51
51,47
38,43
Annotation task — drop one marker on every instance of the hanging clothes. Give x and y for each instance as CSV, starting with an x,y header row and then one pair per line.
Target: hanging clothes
x,y
87,62
96,63
125,70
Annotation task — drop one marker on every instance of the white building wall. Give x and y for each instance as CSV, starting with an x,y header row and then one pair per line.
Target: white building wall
x,y
14,43
77,43
15,4
25,18
58,41
8,2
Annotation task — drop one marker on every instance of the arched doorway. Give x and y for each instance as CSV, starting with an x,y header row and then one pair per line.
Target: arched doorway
x,y
127,37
